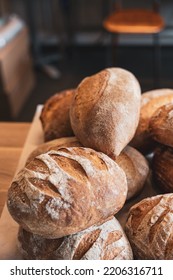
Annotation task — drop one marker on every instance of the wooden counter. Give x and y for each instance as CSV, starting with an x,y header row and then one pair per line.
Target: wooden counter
x,y
12,139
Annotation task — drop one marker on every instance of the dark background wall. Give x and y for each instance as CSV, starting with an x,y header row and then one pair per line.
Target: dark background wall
x,y
68,35
79,20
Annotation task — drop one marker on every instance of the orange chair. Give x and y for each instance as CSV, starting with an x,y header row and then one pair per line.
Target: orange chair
x,y
137,21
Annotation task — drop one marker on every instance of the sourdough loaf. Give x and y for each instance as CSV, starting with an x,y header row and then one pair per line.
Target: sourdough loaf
x,y
53,145
149,228
136,169
55,115
63,192
105,110
161,125
105,242
150,102
130,160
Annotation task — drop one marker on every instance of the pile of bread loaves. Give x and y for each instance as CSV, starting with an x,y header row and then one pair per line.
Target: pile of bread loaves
x,y
92,163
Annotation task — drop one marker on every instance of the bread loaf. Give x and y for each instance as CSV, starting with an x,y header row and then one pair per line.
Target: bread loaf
x,y
63,192
105,242
55,115
150,102
53,145
136,169
162,166
105,111
130,160
161,125
150,228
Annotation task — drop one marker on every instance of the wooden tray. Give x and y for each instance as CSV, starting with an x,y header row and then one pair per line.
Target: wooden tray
x,y
8,227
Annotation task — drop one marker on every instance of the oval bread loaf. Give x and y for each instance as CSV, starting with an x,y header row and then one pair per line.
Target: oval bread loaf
x,y
149,228
130,160
150,102
105,110
55,115
53,145
136,169
105,242
161,125
65,191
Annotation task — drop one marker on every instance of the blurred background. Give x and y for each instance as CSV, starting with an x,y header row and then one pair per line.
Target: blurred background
x,y
50,45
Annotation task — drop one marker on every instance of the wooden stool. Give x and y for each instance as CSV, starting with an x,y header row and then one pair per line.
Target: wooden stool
x,y
137,21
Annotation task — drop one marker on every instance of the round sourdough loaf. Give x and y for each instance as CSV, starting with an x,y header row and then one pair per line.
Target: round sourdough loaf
x,y
105,242
149,228
53,145
150,102
130,160
162,167
65,191
105,110
161,125
136,169
55,115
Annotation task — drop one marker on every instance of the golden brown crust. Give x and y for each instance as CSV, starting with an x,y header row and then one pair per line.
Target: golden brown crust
x,y
161,125
107,241
105,111
150,228
162,167
54,145
136,169
150,102
65,191
55,115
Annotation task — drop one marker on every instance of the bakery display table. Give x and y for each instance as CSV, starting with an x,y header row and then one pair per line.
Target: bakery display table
x,y
12,138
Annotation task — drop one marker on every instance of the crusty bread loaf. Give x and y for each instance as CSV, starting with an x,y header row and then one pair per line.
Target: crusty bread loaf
x,y
54,145
150,228
136,169
105,242
105,111
150,102
161,125
63,192
162,167
130,160
55,115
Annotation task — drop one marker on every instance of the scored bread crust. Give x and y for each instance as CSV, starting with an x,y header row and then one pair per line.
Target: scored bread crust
x,y
65,191
136,169
161,125
53,145
55,118
150,102
104,242
149,228
130,160
105,110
